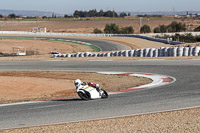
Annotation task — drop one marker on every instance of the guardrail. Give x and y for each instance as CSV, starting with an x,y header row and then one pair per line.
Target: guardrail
x,y
171,34
147,52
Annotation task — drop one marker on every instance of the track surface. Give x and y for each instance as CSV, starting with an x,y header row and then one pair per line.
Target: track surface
x,y
104,45
184,93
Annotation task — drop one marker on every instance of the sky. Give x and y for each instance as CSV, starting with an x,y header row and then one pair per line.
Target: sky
x,y
69,6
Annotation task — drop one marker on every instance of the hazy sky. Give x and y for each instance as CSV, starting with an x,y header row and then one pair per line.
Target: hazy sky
x,y
69,6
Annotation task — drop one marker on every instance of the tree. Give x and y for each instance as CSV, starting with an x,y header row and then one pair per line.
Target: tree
x,y
97,31
111,29
67,16
156,30
127,30
123,14
176,27
94,13
100,13
197,29
43,17
145,29
1,16
12,15
163,28
110,13
76,13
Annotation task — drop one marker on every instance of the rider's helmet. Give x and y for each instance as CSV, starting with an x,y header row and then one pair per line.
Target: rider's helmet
x,y
77,82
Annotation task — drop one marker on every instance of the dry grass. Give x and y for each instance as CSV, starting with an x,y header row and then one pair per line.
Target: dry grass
x,y
85,26
44,47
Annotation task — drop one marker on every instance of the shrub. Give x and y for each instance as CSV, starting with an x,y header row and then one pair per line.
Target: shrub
x,y
97,31
176,27
127,30
197,29
156,30
145,29
111,29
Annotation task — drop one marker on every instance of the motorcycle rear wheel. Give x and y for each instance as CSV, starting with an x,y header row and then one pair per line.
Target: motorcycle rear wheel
x,y
85,95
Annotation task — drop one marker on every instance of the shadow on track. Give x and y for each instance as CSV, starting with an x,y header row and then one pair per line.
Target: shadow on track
x,y
73,99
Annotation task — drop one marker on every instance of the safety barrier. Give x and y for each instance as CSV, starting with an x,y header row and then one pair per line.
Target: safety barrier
x,y
147,52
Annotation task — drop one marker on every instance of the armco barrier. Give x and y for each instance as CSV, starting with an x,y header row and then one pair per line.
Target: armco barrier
x,y
147,52
143,36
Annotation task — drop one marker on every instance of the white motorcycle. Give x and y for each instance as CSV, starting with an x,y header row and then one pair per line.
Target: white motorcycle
x,y
86,92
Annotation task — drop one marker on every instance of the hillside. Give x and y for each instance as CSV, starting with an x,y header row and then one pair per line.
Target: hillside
x,y
26,13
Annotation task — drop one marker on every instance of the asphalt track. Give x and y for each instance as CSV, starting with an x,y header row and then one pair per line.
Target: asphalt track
x,y
104,45
184,93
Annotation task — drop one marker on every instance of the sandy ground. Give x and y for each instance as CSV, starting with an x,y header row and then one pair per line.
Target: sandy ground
x,y
182,121
86,26
27,86
43,47
74,26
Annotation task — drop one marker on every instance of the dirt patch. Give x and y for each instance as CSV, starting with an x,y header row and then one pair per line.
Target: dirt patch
x,y
189,44
183,121
71,26
26,86
43,47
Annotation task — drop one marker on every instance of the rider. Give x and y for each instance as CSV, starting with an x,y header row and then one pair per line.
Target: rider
x,y
78,83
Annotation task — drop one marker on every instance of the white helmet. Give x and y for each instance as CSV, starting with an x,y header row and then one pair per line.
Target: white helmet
x,y
77,82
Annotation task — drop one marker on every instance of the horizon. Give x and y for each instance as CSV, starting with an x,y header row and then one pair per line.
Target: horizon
x,y
184,11
68,6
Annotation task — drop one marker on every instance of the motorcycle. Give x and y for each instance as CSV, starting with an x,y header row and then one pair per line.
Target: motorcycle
x,y
88,93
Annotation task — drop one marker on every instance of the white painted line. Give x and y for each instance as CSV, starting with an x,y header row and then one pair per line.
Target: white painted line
x,y
150,60
20,103
100,60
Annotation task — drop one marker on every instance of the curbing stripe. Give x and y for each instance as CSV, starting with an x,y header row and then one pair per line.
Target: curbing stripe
x,y
157,80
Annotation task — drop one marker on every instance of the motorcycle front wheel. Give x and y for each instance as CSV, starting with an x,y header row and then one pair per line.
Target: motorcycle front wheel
x,y
104,94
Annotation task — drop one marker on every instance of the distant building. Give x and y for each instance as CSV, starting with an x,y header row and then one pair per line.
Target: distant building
x,y
186,16
43,30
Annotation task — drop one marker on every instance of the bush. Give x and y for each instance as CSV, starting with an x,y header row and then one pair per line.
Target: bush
x,y
197,29
156,30
145,29
127,30
163,28
111,29
189,38
97,31
114,29
176,27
